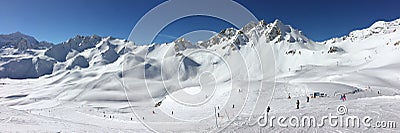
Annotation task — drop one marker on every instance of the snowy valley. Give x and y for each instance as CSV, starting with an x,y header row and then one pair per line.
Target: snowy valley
x,y
105,84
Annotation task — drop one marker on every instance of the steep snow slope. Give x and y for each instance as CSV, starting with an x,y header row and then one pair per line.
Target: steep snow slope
x,y
105,77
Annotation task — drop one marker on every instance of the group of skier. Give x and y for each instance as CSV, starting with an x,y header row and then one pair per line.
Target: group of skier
x,y
298,101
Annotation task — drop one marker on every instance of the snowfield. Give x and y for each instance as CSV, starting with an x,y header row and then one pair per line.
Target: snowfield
x,y
104,84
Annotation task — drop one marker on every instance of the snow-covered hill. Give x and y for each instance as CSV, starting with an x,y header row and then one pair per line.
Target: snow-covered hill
x,y
93,77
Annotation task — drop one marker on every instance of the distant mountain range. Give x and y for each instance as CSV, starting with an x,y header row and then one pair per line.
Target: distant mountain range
x,y
22,42
22,56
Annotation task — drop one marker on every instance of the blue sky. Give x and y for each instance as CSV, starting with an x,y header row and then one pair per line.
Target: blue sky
x,y
58,20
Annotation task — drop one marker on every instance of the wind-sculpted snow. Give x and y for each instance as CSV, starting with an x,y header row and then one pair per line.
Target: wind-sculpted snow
x,y
27,68
79,61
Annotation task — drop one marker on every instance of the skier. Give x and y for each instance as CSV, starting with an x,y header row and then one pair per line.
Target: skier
x,y
233,105
344,97
268,109
308,99
289,96
172,112
298,104
341,97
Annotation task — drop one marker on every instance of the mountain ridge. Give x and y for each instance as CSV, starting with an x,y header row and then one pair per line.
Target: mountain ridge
x,y
87,51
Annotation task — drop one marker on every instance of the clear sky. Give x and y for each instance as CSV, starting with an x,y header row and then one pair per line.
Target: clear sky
x,y
58,20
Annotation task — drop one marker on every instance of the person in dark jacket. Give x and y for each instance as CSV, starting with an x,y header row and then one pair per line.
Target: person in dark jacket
x,y
298,104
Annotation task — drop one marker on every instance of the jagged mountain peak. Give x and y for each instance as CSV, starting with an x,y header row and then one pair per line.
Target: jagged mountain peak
x,y
18,34
275,32
21,42
181,44
78,38
181,40
282,26
277,22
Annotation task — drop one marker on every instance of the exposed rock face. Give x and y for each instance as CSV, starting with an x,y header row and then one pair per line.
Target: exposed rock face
x,y
334,49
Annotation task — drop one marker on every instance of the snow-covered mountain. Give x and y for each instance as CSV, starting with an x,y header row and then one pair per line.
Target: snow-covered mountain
x,y
108,73
21,42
